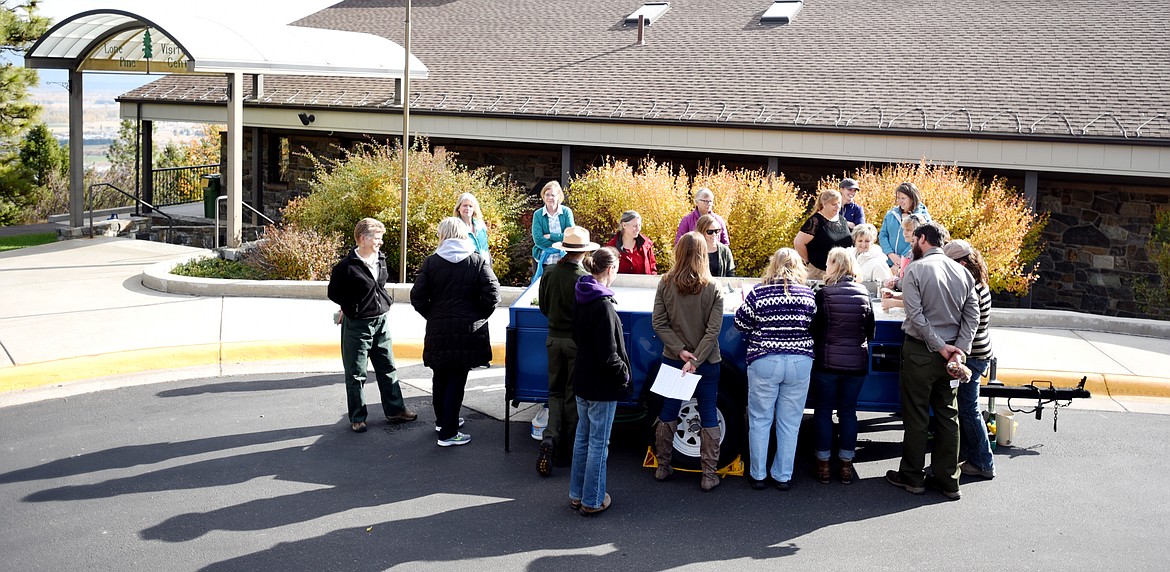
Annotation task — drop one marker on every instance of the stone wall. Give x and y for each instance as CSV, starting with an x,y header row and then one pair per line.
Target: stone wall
x,y
1096,246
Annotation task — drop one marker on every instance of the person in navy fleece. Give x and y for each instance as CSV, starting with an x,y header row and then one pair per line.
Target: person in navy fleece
x,y
601,377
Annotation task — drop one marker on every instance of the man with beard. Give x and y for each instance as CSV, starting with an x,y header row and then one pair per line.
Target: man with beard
x,y
942,312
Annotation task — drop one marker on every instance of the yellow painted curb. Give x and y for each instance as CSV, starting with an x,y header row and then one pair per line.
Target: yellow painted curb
x,y
1100,385
101,365
28,376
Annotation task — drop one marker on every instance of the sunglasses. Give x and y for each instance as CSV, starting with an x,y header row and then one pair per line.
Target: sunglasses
x,y
713,230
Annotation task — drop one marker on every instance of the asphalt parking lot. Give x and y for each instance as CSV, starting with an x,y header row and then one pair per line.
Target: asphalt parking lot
x,y
254,471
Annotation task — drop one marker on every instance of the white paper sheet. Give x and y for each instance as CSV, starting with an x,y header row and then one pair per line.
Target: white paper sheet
x,y
673,383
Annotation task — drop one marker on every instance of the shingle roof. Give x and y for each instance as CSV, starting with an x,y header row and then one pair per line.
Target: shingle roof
x,y
1071,68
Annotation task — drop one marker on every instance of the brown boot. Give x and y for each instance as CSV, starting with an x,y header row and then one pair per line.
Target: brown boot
x,y
664,447
846,471
823,473
709,457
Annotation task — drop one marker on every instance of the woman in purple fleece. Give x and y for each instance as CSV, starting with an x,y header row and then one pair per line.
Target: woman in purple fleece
x,y
601,378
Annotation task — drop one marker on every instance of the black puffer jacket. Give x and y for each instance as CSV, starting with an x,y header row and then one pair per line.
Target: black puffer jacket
x,y
456,299
601,371
360,294
842,328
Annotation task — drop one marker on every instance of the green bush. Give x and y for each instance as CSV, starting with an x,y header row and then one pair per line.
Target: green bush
x,y
366,182
293,253
990,215
1154,299
217,268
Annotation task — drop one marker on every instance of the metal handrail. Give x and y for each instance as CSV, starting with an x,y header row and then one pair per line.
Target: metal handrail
x,y
224,198
89,203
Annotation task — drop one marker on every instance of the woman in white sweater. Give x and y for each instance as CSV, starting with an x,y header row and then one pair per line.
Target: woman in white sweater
x,y
868,257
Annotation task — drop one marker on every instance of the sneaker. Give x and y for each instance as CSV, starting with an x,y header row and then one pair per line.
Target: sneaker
x,y
934,484
458,439
403,417
895,478
544,458
783,485
437,428
586,511
758,485
968,469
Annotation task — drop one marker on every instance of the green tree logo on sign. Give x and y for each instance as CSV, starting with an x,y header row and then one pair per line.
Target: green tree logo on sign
x,y
147,48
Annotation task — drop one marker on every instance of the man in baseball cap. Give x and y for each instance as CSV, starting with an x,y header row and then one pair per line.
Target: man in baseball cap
x,y
851,211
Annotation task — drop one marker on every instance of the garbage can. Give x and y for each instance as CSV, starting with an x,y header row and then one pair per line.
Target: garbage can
x,y
210,194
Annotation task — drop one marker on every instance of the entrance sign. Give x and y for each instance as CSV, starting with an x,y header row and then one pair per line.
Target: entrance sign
x,y
142,50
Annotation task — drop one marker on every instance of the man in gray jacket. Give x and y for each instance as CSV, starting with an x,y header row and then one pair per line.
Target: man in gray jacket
x,y
942,312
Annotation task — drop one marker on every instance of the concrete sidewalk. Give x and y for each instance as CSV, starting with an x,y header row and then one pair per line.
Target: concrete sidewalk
x,y
78,310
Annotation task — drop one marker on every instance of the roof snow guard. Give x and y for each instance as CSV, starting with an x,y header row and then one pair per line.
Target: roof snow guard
x,y
168,41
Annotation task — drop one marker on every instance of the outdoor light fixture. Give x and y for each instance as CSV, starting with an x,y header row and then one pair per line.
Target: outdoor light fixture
x,y
306,118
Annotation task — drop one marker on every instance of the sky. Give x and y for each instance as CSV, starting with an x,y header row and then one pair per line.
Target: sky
x,y
284,11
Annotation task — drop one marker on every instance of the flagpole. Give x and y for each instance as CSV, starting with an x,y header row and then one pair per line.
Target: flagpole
x,y
405,149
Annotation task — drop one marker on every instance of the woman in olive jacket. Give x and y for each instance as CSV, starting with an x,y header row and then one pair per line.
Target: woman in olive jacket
x,y
455,291
601,378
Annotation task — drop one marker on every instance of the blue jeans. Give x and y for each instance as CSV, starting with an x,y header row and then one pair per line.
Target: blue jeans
x,y
706,393
835,391
777,389
590,450
973,442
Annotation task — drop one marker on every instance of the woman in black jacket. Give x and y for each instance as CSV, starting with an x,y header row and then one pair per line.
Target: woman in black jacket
x,y
842,329
455,291
601,377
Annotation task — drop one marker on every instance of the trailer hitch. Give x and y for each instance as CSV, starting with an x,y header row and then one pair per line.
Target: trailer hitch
x,y
1059,397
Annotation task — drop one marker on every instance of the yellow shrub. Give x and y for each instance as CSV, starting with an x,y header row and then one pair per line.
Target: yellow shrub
x,y
993,217
763,213
601,195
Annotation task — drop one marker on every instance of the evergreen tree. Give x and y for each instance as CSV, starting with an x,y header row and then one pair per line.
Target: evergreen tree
x,y
41,154
20,26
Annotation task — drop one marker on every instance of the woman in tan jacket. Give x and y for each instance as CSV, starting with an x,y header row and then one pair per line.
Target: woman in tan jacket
x,y
688,314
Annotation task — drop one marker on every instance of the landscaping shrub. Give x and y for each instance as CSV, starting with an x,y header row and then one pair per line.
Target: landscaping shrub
x,y
1153,298
366,182
294,253
763,213
601,195
992,216
217,267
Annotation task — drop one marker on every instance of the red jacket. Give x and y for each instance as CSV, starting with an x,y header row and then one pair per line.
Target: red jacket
x,y
640,260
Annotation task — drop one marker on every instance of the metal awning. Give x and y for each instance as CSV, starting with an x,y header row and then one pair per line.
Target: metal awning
x,y
164,40
170,41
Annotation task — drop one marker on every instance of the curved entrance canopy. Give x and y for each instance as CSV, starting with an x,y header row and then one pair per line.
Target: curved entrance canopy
x,y
166,40
172,42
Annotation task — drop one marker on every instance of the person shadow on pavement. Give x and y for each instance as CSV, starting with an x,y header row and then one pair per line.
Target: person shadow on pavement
x,y
391,496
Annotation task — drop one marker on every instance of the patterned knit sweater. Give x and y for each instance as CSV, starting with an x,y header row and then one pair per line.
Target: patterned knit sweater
x,y
775,319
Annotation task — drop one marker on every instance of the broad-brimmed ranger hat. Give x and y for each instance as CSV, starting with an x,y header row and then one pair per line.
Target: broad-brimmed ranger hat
x,y
576,240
